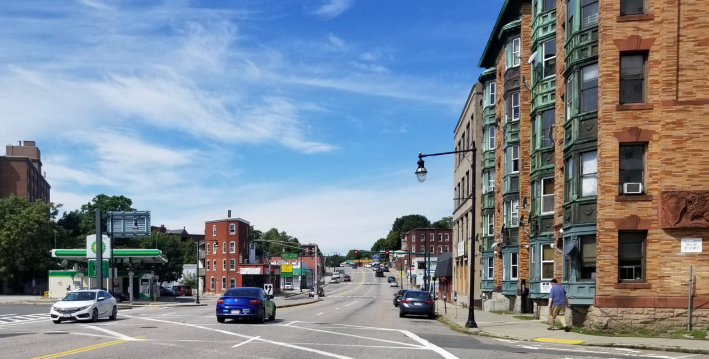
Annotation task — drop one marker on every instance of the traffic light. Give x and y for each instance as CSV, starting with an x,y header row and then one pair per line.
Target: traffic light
x,y
356,254
386,255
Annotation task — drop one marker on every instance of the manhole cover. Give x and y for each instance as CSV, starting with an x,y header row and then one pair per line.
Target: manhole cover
x,y
56,333
149,327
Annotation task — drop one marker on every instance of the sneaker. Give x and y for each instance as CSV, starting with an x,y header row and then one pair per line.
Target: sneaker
x,y
567,328
550,328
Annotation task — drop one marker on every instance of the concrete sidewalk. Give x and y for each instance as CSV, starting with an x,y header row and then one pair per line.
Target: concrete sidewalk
x,y
507,327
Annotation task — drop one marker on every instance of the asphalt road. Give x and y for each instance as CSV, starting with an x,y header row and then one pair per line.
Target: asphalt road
x,y
354,320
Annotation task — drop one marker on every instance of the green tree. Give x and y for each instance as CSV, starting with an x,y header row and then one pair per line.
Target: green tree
x,y
27,235
190,249
380,244
173,248
443,223
409,222
190,279
334,260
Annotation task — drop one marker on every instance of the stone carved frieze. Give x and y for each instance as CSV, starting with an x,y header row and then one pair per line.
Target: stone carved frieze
x,y
684,209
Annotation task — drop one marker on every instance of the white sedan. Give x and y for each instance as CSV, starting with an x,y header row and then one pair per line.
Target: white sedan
x,y
394,284
85,305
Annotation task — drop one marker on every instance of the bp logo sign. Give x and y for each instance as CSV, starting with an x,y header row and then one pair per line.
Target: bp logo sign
x,y
93,247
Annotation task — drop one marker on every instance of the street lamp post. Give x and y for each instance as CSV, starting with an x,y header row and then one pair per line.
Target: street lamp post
x,y
421,176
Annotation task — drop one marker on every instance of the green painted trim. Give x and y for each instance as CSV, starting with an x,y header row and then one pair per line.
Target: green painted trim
x,y
510,25
509,9
63,273
70,253
116,253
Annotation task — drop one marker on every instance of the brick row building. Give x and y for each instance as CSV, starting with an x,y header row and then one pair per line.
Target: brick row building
x,y
21,172
594,117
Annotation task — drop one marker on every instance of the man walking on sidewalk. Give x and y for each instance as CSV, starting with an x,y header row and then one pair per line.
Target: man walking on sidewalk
x,y
558,301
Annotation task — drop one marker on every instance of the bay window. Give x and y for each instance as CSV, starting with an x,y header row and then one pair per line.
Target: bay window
x,y
589,165
547,262
513,155
547,195
570,18
512,107
589,88
548,119
549,62
516,52
548,5
514,213
489,268
491,136
491,180
534,198
569,97
514,265
569,179
491,93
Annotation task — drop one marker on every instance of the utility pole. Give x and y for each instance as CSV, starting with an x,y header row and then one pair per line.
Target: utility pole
x,y
99,250
317,284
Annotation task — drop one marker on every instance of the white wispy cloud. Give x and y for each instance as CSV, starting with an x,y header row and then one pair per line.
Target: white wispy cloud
x,y
368,56
338,42
333,8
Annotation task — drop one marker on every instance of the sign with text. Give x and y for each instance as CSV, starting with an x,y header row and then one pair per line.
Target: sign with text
x,y
289,256
691,245
92,269
461,248
545,287
286,268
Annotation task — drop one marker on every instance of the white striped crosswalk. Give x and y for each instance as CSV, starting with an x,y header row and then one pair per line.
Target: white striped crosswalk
x,y
15,319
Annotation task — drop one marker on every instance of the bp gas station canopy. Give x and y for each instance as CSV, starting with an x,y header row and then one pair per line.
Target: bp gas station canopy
x,y
119,255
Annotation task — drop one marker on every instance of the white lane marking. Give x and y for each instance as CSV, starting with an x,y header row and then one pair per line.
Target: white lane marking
x,y
7,315
4,325
333,355
337,308
351,303
442,352
114,334
94,335
246,341
358,336
320,313
364,346
293,322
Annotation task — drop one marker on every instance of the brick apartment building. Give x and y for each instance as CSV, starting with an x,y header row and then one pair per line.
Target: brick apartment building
x,y
596,113
226,245
424,240
21,173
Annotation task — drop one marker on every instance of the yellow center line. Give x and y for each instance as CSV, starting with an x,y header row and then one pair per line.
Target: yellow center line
x,y
352,290
81,350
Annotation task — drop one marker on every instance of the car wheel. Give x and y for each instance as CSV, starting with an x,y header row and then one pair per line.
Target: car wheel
x,y
401,314
262,317
221,319
57,321
94,315
114,314
273,315
432,316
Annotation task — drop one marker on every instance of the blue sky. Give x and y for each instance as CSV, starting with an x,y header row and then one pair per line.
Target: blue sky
x,y
301,115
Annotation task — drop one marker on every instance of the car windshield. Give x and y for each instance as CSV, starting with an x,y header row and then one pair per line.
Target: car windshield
x,y
79,296
403,291
242,292
417,295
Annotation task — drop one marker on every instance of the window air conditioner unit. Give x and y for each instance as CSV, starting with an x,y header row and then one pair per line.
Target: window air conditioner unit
x,y
632,188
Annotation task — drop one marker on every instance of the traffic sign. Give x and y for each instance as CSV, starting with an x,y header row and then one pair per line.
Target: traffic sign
x,y
268,288
289,256
376,256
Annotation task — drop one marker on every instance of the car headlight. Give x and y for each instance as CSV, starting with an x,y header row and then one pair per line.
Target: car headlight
x,y
84,308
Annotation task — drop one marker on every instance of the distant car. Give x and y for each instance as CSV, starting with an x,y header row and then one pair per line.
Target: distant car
x,y
288,286
343,264
166,292
182,290
391,279
354,266
321,292
334,280
84,305
246,302
121,297
417,302
393,284
398,295
367,266
386,269
347,278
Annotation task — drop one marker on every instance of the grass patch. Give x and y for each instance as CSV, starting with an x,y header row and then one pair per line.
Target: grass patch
x,y
523,317
645,333
451,325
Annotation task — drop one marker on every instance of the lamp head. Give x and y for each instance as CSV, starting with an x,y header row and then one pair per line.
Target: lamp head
x,y
421,170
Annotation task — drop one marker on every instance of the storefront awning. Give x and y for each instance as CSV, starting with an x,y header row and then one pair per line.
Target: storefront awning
x,y
296,271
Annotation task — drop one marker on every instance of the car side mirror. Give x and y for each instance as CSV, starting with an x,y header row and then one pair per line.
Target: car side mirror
x,y
101,299
271,297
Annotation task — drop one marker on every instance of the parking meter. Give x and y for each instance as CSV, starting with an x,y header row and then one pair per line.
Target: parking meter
x,y
455,296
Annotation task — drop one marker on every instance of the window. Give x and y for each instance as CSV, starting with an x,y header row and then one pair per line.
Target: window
x,y
535,134
214,262
589,13
232,264
211,283
448,237
223,282
223,264
569,19
547,195
440,249
549,63
532,254
423,237
214,230
232,247
433,249
569,96
587,265
548,118
491,142
547,264
631,256
632,78
515,52
489,268
534,198
423,248
514,265
632,7
589,88
569,175
514,156
632,165
515,106
491,93
440,237
588,174
232,283
224,247
548,5
448,249
413,238
491,180
432,239
232,228
208,246
490,224
214,251
514,213
207,265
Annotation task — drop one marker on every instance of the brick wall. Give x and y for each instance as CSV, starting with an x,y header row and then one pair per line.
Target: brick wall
x,y
499,161
241,240
559,133
525,133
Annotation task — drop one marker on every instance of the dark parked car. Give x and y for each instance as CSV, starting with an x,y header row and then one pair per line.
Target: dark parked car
x,y
246,302
417,302
379,273
398,295
182,290
121,297
166,292
391,279
347,278
321,292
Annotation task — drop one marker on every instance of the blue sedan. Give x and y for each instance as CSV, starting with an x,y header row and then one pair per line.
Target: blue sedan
x,y
251,303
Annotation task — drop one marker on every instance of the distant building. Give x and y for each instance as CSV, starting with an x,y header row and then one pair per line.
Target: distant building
x,y
21,173
423,240
226,245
